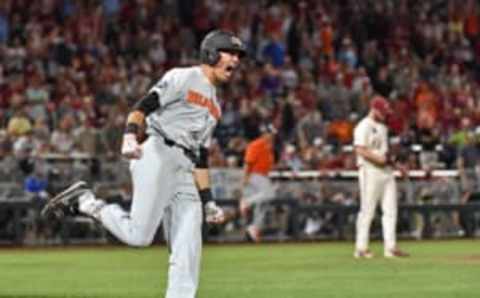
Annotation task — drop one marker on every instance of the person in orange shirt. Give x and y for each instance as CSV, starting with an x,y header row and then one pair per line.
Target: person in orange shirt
x,y
327,34
257,187
427,107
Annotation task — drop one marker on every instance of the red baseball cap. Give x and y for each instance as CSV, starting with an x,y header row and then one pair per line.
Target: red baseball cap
x,y
380,104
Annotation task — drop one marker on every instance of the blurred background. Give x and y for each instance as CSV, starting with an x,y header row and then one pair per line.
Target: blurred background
x,y
71,69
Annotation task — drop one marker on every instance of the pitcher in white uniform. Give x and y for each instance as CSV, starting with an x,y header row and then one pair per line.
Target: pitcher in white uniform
x,y
170,168
376,180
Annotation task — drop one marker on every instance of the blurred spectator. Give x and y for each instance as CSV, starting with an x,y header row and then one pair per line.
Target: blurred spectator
x,y
340,131
19,124
86,139
327,36
316,156
428,156
112,133
270,83
5,145
4,26
90,58
427,107
23,149
41,136
289,74
216,158
274,51
383,82
230,125
234,152
36,184
290,159
348,53
311,127
62,139
338,99
460,137
36,97
111,7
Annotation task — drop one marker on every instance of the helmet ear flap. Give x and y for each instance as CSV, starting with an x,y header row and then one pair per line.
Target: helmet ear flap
x,y
213,57
209,56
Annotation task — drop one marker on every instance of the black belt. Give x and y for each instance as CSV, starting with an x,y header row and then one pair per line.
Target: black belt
x,y
188,153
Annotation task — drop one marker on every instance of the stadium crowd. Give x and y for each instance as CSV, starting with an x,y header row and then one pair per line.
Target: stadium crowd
x,y
70,70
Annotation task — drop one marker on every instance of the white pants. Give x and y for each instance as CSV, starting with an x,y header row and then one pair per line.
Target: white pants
x,y
376,185
163,189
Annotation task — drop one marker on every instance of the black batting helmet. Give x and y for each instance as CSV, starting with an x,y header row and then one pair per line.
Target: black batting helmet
x,y
218,40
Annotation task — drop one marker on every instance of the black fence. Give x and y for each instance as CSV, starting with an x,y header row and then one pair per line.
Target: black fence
x,y
286,220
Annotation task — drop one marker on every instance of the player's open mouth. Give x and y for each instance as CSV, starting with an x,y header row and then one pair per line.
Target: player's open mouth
x,y
229,69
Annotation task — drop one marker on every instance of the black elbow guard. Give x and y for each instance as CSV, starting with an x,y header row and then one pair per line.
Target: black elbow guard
x,y
202,161
148,104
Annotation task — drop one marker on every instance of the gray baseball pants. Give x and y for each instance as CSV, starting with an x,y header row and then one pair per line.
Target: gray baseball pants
x,y
163,189
258,192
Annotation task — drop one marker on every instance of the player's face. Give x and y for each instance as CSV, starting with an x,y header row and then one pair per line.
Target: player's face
x,y
379,116
226,66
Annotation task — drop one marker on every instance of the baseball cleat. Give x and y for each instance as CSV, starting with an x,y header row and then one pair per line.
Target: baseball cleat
x,y
252,234
396,253
67,199
363,254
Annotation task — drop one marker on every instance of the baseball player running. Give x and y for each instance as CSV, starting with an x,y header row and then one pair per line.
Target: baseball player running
x,y
170,168
258,188
376,180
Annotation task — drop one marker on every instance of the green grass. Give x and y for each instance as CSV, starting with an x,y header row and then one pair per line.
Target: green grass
x,y
436,269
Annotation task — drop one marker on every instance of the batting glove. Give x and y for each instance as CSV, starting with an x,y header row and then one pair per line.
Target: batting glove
x,y
130,147
213,213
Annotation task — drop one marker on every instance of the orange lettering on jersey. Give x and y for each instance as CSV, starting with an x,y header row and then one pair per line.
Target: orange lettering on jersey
x,y
200,100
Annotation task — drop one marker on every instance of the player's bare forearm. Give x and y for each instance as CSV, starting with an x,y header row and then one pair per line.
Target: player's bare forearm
x,y
135,122
372,157
134,131
202,178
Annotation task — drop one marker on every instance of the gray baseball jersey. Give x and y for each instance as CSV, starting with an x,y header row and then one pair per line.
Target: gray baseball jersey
x,y
189,108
